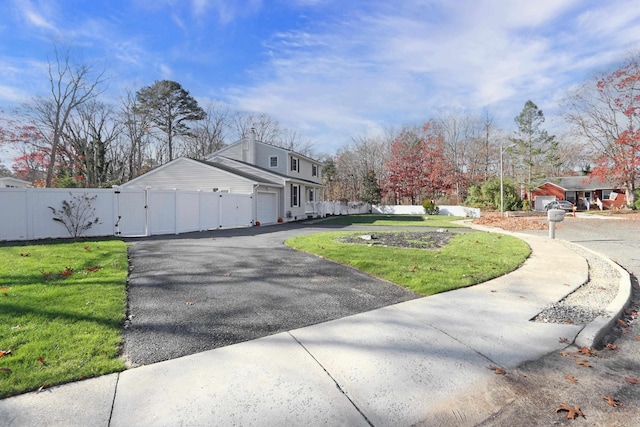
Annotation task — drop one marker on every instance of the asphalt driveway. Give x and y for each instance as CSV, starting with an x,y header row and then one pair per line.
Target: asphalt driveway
x,y
201,291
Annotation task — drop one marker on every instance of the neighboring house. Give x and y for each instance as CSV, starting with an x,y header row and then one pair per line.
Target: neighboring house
x,y
285,185
582,191
10,182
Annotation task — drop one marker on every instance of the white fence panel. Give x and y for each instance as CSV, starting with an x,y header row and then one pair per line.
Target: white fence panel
x,y
235,210
132,213
14,218
344,208
209,211
419,210
161,205
25,213
187,211
43,225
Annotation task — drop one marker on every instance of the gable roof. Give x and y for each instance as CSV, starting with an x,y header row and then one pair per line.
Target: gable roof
x,y
235,171
579,183
271,172
286,150
230,170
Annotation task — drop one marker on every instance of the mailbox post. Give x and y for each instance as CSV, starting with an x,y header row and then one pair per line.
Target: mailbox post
x,y
554,216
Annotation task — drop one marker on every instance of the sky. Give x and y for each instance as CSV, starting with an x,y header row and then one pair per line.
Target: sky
x,y
333,70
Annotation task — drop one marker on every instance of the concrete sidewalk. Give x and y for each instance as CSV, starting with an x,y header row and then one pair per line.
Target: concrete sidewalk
x,y
415,362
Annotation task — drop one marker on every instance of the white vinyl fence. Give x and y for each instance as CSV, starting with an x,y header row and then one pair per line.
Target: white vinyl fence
x,y
419,210
25,213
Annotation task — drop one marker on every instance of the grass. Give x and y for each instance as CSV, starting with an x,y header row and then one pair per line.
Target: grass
x,y
467,259
62,307
396,220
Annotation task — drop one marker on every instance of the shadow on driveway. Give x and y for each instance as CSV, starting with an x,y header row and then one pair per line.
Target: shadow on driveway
x,y
201,291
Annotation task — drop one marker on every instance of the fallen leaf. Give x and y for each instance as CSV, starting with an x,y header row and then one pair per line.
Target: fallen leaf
x,y
5,370
4,288
42,387
586,351
621,322
637,337
584,363
572,412
25,255
564,340
571,378
611,346
493,290
625,330
611,401
497,369
565,354
5,353
568,322
16,327
86,248
41,360
90,302
227,274
632,380
190,303
68,271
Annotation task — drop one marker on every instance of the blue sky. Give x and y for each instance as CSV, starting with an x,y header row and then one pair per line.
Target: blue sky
x,y
331,69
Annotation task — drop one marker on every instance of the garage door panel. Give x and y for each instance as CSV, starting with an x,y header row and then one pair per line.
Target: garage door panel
x,y
267,208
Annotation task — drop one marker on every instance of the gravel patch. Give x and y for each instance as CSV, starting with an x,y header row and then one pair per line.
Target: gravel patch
x,y
588,301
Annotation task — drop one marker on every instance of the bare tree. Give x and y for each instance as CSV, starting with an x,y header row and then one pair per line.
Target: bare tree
x,y
90,133
70,87
267,128
605,113
133,147
209,134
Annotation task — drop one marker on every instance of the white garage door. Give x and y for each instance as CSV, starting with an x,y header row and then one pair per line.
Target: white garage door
x,y
267,209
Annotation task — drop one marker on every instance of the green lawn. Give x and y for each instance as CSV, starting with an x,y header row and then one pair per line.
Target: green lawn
x,y
467,259
395,220
62,307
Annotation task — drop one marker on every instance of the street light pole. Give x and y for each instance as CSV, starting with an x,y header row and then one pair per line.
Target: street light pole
x,y
502,178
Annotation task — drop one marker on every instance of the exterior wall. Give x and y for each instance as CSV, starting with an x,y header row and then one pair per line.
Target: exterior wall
x,y
548,189
263,153
186,174
305,169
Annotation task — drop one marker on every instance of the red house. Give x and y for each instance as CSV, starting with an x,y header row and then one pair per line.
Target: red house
x,y
586,193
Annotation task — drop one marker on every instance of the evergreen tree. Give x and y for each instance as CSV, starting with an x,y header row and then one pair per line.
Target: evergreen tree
x,y
534,147
371,191
168,106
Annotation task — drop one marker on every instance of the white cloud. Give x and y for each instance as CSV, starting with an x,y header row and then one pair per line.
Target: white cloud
x,y
407,63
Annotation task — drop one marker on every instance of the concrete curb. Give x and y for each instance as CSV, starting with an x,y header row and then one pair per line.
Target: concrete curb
x,y
593,334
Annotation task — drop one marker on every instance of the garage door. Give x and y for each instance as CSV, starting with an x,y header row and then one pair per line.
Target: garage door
x,y
541,202
267,209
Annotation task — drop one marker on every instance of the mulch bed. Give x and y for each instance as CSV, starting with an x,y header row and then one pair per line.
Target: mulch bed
x,y
402,239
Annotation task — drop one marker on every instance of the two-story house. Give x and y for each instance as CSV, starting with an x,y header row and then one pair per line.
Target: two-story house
x,y
285,185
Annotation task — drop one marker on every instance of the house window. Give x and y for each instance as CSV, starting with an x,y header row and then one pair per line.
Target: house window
x,y
311,195
273,161
295,195
314,170
295,164
606,194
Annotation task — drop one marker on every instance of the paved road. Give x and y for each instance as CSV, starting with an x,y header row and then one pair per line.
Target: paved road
x,y
201,291
617,239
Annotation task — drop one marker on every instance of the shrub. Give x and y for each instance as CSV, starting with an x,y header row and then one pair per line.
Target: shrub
x,y
77,214
430,208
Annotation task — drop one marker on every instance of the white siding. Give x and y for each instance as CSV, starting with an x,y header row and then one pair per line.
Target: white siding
x,y
186,174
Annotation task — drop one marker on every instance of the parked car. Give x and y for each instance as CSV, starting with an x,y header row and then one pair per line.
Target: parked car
x,y
560,204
